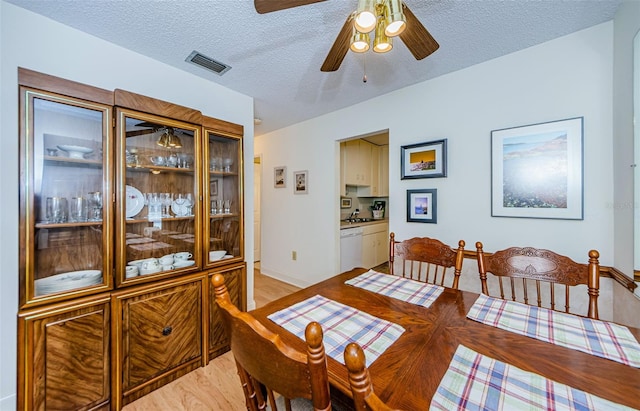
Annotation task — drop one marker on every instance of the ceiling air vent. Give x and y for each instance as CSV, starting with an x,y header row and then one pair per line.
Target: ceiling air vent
x,y
208,63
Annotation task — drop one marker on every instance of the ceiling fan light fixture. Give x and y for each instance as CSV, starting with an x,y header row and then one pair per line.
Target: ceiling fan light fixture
x,y
381,42
396,22
359,42
365,17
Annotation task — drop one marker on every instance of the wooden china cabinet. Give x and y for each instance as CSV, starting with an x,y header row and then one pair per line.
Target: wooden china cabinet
x,y
128,206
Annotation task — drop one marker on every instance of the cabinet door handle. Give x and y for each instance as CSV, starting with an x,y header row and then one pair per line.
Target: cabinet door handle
x,y
167,330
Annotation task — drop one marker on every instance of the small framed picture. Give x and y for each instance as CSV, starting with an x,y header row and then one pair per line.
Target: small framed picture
x,y
345,202
424,160
214,188
280,177
301,182
422,206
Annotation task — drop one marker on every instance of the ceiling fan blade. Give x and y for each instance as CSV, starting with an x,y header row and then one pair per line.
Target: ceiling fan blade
x,y
416,37
134,133
339,48
267,6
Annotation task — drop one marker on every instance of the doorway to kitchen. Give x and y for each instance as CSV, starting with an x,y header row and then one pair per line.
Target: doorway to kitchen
x,y
364,199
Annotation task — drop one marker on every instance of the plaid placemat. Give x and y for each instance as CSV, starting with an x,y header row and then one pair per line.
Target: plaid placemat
x,y
404,289
341,325
476,382
596,337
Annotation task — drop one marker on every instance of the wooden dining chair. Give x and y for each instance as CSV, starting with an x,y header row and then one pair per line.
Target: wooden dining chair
x,y
426,259
535,266
364,399
266,365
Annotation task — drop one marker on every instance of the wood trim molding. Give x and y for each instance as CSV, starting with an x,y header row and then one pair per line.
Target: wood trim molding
x,y
611,272
127,99
46,82
222,127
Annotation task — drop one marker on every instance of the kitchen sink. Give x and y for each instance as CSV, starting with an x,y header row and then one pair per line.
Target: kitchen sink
x,y
357,220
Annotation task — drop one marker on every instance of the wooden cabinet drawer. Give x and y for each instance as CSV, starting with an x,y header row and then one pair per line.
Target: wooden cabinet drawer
x,y
64,360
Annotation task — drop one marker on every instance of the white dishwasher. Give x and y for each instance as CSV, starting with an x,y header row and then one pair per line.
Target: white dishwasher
x,y
350,248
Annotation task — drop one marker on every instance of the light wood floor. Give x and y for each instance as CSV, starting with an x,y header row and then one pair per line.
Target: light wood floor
x,y
215,387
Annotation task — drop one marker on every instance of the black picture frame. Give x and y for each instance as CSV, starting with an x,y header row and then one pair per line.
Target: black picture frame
x,y
424,160
422,206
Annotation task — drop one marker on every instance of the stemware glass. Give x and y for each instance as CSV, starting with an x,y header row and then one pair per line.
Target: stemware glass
x,y
180,202
227,206
167,199
154,204
189,204
227,164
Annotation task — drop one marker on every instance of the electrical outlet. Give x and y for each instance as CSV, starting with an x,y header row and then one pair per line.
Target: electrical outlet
x,y
294,255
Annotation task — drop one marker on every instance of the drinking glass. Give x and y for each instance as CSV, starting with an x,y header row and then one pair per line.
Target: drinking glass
x,y
57,209
78,209
95,204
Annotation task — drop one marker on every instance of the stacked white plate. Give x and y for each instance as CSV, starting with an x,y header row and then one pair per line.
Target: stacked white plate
x,y
67,281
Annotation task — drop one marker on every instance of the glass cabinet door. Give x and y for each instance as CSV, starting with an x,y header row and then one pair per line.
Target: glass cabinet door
x,y
223,198
65,222
157,164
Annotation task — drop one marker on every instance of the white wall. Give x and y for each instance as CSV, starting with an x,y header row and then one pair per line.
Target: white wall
x,y
567,77
626,26
31,41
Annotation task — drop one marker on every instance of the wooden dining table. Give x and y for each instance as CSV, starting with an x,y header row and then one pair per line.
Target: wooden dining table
x,y
406,376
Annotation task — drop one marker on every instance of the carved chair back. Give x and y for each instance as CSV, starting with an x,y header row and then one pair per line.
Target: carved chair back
x,y
426,259
522,271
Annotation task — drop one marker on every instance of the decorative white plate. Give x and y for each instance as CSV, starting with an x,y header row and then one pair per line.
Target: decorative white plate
x,y
180,210
134,201
67,281
75,151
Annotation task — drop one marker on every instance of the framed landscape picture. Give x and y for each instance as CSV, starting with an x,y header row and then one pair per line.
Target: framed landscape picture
x,y
537,170
422,206
424,160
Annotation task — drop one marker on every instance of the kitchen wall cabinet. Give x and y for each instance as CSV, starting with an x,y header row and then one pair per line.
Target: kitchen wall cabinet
x,y
379,167
357,162
383,173
128,204
375,244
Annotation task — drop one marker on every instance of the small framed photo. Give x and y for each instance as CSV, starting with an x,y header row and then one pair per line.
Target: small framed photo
x,y
424,160
301,182
214,188
345,202
537,170
280,177
422,206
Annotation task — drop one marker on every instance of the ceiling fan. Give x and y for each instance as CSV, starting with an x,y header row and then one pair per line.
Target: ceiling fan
x,y
414,35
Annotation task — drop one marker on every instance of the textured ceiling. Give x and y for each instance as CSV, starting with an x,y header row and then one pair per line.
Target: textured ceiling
x,y
276,57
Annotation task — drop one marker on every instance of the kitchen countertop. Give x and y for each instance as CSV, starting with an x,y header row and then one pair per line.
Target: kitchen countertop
x,y
344,224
